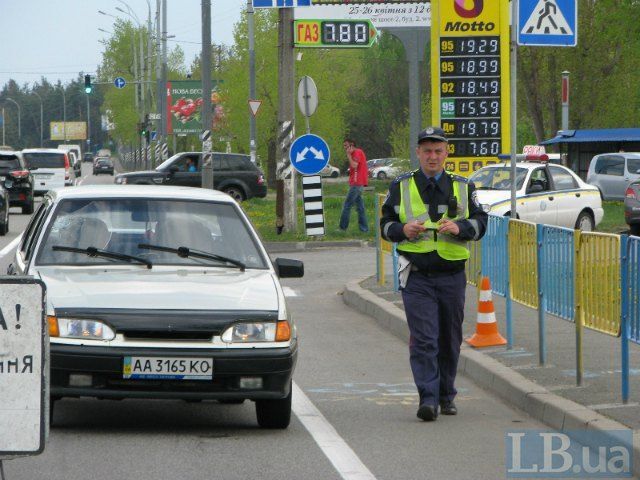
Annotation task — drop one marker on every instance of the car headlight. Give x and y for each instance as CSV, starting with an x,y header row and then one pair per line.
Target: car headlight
x,y
121,180
248,332
79,328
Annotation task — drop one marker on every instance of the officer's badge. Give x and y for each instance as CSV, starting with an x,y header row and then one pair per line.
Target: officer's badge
x,y
429,131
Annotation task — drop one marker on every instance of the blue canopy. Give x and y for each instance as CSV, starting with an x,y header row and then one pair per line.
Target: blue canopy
x,y
600,135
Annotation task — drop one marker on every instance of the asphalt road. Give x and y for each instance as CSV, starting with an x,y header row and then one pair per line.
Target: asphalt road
x,y
354,409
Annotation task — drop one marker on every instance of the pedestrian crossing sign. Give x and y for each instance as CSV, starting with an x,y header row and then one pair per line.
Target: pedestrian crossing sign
x,y
281,3
551,23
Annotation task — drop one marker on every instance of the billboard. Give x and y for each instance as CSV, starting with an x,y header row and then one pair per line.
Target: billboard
x,y
362,2
184,107
70,131
381,15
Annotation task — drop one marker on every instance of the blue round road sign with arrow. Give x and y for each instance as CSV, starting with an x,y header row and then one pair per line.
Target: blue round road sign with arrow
x,y
119,82
309,154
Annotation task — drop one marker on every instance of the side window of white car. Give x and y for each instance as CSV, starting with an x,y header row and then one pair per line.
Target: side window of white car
x,y
562,180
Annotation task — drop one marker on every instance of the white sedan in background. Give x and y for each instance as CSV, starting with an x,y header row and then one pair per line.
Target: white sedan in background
x,y
546,193
330,171
388,168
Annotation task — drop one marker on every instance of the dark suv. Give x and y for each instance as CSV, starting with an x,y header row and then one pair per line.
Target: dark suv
x,y
17,180
233,173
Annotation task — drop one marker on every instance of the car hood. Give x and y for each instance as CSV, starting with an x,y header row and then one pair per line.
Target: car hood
x,y
491,197
144,173
160,288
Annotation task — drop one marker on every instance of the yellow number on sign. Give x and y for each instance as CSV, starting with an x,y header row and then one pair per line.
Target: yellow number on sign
x,y
447,87
446,46
446,67
452,149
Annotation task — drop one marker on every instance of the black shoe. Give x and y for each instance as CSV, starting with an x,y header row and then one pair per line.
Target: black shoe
x,y
428,413
448,408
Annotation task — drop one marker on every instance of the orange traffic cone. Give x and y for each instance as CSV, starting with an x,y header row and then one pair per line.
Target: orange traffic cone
x,y
487,334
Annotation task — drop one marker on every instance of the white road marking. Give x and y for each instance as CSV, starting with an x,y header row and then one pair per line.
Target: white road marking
x,y
9,247
344,460
289,292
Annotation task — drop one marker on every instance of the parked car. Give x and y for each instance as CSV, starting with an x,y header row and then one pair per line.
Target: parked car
x,y
632,208
161,293
233,173
546,193
612,173
330,171
17,180
388,168
49,166
103,165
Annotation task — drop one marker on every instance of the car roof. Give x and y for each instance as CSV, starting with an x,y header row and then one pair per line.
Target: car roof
x,y
622,154
44,150
526,165
140,191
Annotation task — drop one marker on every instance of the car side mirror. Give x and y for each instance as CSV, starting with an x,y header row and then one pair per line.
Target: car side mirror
x,y
289,268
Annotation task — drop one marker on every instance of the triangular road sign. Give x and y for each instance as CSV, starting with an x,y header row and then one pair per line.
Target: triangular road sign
x,y
254,105
546,18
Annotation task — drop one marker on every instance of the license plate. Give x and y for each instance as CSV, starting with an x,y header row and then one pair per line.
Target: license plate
x,y
168,368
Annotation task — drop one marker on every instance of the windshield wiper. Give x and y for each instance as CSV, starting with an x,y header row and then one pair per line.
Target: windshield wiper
x,y
186,252
96,252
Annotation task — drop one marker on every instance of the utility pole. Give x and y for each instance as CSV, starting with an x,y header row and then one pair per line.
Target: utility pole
x,y
252,80
286,214
163,119
159,86
205,59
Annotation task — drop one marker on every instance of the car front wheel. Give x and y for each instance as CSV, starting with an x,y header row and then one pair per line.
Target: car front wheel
x,y
334,174
382,176
585,222
274,413
634,229
4,226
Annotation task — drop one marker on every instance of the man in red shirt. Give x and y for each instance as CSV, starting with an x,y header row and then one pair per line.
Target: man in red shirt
x,y
358,179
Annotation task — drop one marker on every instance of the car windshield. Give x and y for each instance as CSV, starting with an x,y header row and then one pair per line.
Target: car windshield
x,y
121,225
497,178
44,160
9,163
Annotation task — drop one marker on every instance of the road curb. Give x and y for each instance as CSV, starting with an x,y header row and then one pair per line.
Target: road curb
x,y
278,247
553,410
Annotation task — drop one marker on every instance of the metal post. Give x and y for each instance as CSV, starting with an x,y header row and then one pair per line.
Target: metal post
x,y
624,314
252,80
159,86
514,99
41,116
163,82
88,127
565,100
64,115
542,346
3,122
207,164
19,115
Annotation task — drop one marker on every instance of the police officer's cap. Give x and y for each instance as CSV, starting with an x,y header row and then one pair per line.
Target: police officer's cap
x,y
432,133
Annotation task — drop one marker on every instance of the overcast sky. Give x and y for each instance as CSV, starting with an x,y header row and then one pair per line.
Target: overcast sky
x,y
59,38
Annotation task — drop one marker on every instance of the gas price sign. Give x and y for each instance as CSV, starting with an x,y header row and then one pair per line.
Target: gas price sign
x,y
470,87
333,33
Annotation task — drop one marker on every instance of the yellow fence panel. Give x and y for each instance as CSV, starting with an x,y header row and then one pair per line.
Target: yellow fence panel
x,y
473,266
385,246
598,281
523,263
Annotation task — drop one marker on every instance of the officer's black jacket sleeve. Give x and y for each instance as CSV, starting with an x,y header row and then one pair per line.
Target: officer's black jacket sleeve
x,y
475,226
390,225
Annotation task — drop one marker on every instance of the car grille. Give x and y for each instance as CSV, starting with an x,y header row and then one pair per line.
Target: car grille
x,y
151,335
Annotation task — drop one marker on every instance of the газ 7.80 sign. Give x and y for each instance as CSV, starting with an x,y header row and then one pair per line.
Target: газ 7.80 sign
x,y
333,33
470,86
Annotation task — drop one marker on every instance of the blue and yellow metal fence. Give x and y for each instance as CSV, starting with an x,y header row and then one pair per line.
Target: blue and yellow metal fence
x,y
589,278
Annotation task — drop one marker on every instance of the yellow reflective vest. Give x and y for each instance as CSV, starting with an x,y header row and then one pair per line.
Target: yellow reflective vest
x,y
413,208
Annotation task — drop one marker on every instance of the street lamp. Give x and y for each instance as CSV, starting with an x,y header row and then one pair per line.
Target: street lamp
x,y
64,114
19,114
41,112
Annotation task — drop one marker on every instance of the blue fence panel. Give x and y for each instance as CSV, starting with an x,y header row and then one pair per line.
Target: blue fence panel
x,y
494,254
633,287
557,269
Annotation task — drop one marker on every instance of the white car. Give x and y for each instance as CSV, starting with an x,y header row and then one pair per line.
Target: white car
x,y
546,193
388,168
161,293
330,171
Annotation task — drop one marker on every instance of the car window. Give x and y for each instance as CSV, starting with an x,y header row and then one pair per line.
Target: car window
x,y
120,225
45,160
497,178
610,165
633,165
539,177
33,232
181,163
9,163
562,180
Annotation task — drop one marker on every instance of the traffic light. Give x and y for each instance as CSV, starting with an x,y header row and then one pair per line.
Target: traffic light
x,y
87,84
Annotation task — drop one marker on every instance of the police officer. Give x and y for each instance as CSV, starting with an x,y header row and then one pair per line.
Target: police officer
x,y
432,214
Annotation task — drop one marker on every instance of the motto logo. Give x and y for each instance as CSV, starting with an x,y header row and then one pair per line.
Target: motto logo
x,y
474,11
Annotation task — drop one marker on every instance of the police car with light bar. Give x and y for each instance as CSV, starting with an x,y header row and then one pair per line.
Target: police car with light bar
x,y
546,193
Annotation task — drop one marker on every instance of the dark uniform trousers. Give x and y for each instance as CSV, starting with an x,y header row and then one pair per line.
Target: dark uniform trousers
x,y
434,306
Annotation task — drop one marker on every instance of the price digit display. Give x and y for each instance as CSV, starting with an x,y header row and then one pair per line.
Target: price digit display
x,y
333,33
